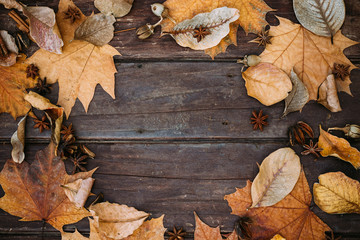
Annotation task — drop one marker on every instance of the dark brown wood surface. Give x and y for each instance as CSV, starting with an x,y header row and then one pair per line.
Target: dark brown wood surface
x,y
177,138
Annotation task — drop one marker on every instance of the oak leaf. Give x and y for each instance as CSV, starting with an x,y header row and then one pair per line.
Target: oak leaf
x,y
291,217
33,192
252,17
118,8
79,69
337,194
13,84
278,174
311,56
18,142
338,147
328,96
267,83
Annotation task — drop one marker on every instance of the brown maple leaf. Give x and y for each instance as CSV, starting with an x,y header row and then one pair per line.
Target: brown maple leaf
x,y
291,217
311,56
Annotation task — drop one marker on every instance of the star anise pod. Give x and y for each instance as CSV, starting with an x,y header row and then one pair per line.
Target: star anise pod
x,y
263,38
298,131
258,120
177,234
42,124
311,148
200,33
32,71
42,87
67,132
341,71
73,14
68,148
79,160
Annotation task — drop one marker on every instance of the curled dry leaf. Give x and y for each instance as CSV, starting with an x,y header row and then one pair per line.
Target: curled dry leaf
x,y
267,83
18,142
11,4
116,221
338,147
322,17
118,8
8,49
205,30
203,231
337,194
269,221
43,28
311,56
97,29
278,174
328,94
298,96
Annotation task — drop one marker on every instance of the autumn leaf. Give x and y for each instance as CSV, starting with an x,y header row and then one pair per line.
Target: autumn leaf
x,y
13,84
328,96
252,17
150,230
338,147
277,176
291,217
204,232
337,194
311,56
9,49
11,4
79,69
118,8
33,192
277,237
18,142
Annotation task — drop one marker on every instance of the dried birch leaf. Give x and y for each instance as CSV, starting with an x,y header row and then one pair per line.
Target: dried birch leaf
x,y
116,221
338,147
322,17
150,230
328,94
298,96
118,8
278,174
43,28
9,4
267,83
337,194
205,30
269,221
97,29
18,142
203,231
311,56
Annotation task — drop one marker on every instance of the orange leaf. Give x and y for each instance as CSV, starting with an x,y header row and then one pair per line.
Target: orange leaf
x,y
311,56
291,217
151,230
338,147
13,84
204,232
252,17
33,192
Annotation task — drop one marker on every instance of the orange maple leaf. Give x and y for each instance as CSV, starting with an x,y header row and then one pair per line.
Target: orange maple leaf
x,y
291,217
311,56
252,17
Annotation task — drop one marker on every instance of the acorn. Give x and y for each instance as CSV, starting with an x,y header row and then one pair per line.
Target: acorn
x,y
249,61
350,130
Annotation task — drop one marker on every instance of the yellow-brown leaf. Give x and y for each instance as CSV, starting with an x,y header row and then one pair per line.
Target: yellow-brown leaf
x,y
204,232
150,230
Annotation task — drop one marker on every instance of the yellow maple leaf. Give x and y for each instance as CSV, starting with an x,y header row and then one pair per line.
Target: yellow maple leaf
x,y
252,17
311,56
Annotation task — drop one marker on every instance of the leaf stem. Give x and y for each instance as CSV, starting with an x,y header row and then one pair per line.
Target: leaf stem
x,y
125,30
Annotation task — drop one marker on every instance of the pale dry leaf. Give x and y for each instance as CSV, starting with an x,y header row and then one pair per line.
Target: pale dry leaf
x,y
9,41
204,232
43,28
18,142
311,56
150,230
328,96
118,8
322,17
97,29
205,30
115,220
338,147
298,96
10,53
267,83
12,4
337,194
278,174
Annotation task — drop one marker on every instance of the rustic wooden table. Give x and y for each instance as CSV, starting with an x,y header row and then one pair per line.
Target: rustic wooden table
x,y
177,138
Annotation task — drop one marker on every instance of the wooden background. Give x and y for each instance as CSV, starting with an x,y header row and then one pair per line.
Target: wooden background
x,y
177,138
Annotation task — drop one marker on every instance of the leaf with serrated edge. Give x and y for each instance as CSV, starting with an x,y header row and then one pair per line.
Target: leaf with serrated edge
x,y
204,232
322,17
277,176
337,194
328,96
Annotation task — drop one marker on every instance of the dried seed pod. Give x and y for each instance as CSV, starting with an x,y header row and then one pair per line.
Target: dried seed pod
x,y
158,9
86,151
249,61
145,31
350,130
296,133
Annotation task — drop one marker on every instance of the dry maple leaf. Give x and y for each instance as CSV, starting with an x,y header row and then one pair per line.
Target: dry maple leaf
x,y
13,84
291,217
310,55
252,17
204,232
33,192
79,69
